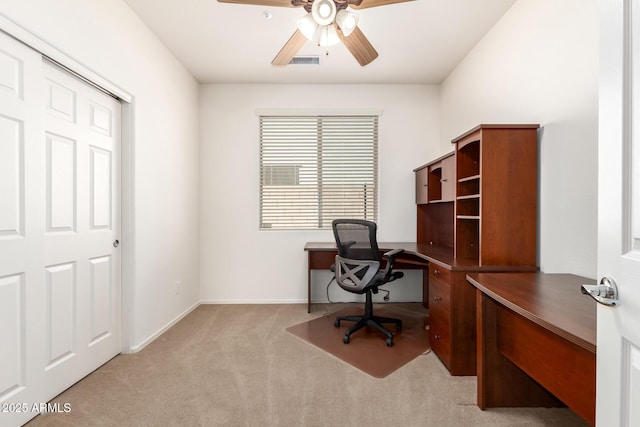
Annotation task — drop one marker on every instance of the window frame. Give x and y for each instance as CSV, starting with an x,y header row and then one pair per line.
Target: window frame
x,y
327,205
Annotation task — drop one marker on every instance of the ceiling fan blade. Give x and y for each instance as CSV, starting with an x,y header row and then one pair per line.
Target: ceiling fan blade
x,y
363,4
290,49
275,3
359,46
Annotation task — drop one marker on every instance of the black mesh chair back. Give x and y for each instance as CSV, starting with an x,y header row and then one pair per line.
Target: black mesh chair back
x,y
357,239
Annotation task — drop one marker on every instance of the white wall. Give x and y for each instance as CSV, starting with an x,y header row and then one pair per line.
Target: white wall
x,y
240,263
109,39
539,64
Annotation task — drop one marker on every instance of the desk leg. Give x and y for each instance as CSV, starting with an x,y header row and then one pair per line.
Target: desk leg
x,y
500,382
309,282
425,288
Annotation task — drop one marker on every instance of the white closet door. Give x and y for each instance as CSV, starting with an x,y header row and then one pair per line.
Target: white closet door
x,y
59,219
81,141
22,297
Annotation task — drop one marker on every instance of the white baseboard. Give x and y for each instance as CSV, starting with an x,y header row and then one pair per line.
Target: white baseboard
x,y
162,330
262,301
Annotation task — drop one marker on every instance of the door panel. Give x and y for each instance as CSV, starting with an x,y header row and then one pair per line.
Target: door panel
x,y
61,184
11,176
59,215
618,367
61,330
22,291
12,317
101,298
82,186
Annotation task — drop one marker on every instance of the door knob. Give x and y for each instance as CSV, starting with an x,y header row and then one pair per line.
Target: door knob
x,y
605,293
116,243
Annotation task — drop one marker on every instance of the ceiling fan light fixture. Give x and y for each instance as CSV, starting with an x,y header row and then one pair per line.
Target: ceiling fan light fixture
x,y
307,26
328,36
347,21
323,11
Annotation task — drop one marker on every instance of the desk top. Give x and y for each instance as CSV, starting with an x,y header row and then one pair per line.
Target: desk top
x,y
553,301
423,252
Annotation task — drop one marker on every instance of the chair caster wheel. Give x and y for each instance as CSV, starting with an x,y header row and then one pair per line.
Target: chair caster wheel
x,y
336,323
389,342
345,339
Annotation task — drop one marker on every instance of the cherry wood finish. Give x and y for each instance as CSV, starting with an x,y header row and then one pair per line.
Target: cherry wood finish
x,y
497,194
450,337
440,236
480,212
536,338
444,278
435,181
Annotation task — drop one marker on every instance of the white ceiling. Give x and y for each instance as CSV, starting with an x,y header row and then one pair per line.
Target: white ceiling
x,y
419,41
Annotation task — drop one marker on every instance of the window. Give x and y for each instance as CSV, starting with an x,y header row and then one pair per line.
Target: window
x,y
314,169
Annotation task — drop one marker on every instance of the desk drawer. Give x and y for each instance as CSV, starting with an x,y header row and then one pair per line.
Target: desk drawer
x,y
439,298
440,339
439,273
440,319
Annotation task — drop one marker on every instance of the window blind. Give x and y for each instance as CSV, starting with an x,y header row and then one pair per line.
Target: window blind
x,y
314,169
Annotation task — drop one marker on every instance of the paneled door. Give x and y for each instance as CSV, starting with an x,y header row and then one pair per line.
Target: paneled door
x,y
618,357
59,225
22,296
82,224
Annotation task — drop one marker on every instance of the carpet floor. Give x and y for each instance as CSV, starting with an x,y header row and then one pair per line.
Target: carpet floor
x,y
235,365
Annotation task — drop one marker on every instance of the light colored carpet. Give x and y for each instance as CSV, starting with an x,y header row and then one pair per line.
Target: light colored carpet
x,y
235,365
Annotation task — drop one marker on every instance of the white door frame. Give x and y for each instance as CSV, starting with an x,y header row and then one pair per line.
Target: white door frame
x,y
127,163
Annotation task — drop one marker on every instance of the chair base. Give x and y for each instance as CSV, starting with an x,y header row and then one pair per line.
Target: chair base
x,y
368,319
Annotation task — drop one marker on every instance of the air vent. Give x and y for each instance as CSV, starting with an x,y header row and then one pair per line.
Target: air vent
x,y
305,60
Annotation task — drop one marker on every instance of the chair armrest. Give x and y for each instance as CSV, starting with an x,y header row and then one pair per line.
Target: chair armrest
x,y
391,255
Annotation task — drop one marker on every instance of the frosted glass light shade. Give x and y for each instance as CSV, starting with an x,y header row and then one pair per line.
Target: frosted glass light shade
x,y
347,21
328,36
307,26
323,11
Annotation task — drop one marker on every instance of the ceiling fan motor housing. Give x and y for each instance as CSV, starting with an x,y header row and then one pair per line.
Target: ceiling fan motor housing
x,y
339,4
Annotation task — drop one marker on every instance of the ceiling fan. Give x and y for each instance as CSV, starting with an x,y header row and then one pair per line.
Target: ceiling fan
x,y
329,22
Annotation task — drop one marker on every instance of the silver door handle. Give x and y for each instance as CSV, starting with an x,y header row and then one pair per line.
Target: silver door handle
x,y
605,293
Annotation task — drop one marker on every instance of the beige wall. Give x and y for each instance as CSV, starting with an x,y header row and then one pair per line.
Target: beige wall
x,y
240,263
539,64
106,37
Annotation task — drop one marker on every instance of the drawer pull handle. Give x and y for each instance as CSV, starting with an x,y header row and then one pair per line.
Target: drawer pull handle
x,y
436,272
436,299
436,336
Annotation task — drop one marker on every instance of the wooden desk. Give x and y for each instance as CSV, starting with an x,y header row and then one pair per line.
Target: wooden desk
x,y
536,337
445,292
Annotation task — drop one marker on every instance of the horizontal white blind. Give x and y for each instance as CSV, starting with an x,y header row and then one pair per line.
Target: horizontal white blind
x,y
314,169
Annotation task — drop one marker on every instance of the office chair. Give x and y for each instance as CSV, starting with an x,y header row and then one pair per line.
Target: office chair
x,y
359,269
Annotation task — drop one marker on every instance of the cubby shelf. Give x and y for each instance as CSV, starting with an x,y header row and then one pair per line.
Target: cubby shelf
x,y
478,206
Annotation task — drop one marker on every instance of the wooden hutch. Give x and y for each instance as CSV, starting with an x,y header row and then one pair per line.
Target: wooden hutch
x,y
476,211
